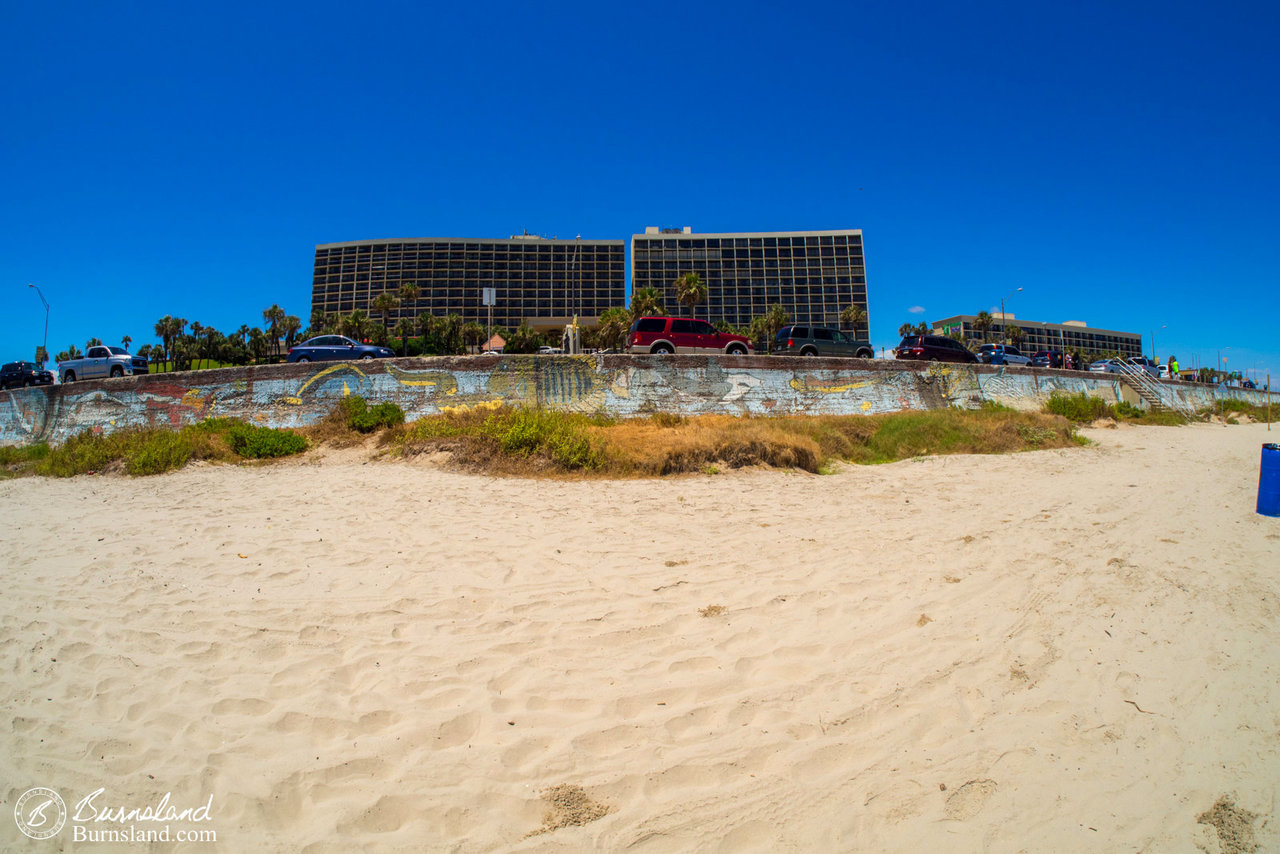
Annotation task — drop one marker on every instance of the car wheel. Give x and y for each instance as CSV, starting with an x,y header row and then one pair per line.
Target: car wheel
x,y
117,371
662,350
70,377
864,354
303,359
736,350
366,357
808,352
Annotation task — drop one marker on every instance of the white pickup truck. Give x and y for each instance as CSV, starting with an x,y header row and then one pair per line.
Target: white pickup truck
x,y
101,362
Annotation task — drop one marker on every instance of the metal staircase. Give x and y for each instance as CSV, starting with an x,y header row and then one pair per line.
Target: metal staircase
x,y
1154,393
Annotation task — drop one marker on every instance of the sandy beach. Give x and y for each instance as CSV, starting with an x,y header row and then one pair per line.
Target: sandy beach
x,y
1055,651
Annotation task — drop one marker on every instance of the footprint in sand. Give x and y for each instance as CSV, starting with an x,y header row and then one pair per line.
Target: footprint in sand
x,y
968,800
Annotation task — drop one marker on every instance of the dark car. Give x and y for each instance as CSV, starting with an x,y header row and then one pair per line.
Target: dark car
x,y
933,348
683,335
335,348
804,340
22,374
1046,359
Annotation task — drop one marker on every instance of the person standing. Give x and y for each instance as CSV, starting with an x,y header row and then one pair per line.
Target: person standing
x,y
1173,367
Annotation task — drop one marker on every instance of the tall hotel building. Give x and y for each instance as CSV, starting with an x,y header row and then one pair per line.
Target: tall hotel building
x,y
544,282
814,275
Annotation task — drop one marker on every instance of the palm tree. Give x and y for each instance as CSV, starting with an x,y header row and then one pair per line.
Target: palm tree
x,y
906,329
243,334
93,342
273,317
775,318
72,353
257,344
922,328
690,291
1015,335
473,333
645,302
383,305
126,341
409,293
290,326
168,328
429,326
983,324
353,325
854,315
613,328
404,329
451,331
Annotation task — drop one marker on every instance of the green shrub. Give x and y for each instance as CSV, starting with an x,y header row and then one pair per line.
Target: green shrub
x,y
1080,407
1124,409
363,418
555,435
14,455
258,443
160,451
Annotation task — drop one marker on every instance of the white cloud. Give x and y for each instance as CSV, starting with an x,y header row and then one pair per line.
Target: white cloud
x,y
916,309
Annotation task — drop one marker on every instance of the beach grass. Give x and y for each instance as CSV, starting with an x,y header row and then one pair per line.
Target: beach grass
x,y
155,450
530,441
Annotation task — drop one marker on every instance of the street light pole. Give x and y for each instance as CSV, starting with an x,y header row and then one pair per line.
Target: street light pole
x,y
1004,324
44,348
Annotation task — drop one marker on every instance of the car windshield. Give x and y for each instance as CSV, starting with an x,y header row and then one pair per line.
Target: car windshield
x,y
118,351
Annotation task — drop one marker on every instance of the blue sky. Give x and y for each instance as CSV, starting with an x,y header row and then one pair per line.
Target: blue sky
x,y
1116,161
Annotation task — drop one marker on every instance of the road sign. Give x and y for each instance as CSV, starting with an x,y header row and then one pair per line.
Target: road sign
x,y
490,295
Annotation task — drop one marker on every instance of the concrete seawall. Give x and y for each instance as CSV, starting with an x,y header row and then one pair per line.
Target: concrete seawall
x,y
296,395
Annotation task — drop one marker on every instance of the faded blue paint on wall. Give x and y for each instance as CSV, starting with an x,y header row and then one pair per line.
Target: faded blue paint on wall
x,y
297,395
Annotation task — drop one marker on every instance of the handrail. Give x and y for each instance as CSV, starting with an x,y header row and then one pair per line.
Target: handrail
x,y
1144,382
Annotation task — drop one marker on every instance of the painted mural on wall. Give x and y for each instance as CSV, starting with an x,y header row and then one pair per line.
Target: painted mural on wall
x,y
296,395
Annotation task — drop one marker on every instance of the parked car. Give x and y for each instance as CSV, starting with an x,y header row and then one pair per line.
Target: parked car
x,y
100,362
550,351
1001,354
933,348
333,348
1046,359
24,374
683,335
805,340
1117,366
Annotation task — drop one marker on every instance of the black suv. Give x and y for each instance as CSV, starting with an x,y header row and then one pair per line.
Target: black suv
x,y
933,348
818,341
19,374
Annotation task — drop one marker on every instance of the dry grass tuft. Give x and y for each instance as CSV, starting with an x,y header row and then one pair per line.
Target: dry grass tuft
x,y
712,610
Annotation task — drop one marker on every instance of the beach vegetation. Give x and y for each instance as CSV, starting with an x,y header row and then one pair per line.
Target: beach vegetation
x,y
1236,407
1079,408
154,450
542,442
363,418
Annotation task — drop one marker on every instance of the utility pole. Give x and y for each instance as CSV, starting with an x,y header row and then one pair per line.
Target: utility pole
x,y
44,348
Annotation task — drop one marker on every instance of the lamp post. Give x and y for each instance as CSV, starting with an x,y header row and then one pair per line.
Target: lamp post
x,y
1004,324
44,348
1154,357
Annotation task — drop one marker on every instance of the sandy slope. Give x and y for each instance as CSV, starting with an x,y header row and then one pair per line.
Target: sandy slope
x,y
1056,651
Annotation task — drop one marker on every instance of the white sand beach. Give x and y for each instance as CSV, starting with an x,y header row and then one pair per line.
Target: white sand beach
x,y
1071,650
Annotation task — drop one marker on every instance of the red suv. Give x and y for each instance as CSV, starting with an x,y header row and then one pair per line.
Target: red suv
x,y
683,335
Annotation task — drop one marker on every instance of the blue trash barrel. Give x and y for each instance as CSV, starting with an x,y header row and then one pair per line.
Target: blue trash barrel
x,y
1269,481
